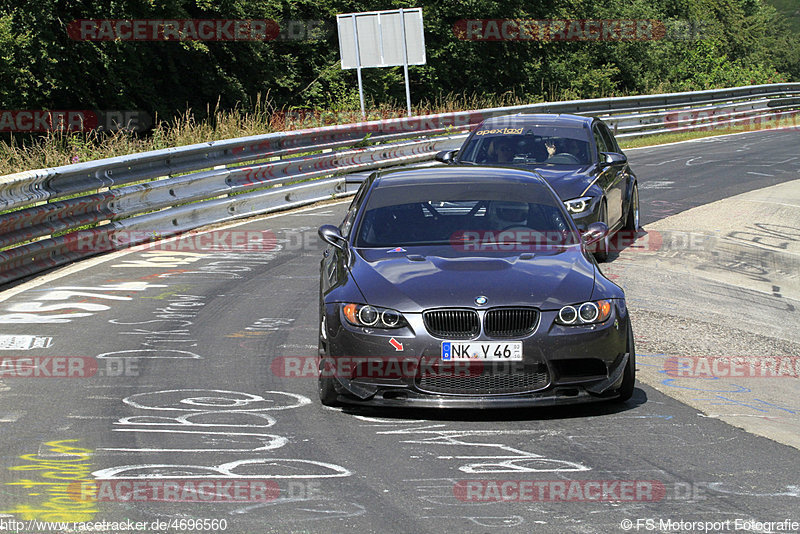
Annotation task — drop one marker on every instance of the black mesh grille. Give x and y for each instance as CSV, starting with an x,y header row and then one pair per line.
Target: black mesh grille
x,y
490,379
510,322
452,324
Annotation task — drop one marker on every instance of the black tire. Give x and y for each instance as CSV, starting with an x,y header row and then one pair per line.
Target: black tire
x,y
632,220
325,384
326,388
601,248
629,376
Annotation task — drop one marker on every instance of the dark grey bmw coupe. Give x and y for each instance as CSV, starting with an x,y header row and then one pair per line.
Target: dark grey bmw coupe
x,y
578,156
467,287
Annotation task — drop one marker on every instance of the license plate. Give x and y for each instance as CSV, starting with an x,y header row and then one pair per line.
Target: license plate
x,y
491,351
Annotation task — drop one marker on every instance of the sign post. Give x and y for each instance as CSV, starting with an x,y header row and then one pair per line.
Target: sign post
x,y
381,39
358,68
405,61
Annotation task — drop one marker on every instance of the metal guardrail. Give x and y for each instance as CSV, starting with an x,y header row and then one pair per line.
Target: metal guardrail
x,y
166,192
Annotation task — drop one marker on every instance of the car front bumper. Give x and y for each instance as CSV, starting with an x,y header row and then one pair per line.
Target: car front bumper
x,y
578,364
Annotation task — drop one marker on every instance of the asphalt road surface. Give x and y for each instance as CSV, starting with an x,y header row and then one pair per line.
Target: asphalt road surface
x,y
176,366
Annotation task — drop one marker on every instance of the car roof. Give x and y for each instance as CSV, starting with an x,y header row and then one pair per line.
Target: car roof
x,y
449,175
540,119
392,187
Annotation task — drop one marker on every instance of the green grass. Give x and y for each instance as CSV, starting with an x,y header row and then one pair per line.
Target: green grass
x,y
659,139
54,149
57,148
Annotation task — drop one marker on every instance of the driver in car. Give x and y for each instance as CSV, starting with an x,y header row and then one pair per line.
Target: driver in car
x,y
504,215
502,150
564,146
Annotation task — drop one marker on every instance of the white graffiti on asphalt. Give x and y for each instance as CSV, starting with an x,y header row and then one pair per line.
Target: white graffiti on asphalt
x,y
513,460
34,312
208,417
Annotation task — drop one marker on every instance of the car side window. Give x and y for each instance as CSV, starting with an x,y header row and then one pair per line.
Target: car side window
x,y
600,141
611,143
347,223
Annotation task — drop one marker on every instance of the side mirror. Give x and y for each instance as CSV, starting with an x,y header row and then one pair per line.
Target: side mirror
x,y
613,158
446,156
594,233
331,235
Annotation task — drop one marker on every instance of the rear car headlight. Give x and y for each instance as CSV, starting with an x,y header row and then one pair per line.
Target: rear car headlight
x,y
578,205
372,316
592,312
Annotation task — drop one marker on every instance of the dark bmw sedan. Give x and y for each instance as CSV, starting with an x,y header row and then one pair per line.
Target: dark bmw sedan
x,y
467,287
578,156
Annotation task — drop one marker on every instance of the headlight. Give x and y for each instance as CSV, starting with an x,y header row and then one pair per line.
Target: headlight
x,y
586,313
372,316
578,205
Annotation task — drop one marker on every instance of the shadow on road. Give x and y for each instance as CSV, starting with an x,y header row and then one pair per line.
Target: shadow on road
x,y
544,413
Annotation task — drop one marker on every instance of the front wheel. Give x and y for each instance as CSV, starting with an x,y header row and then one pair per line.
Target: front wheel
x,y
325,383
632,221
601,248
629,376
326,386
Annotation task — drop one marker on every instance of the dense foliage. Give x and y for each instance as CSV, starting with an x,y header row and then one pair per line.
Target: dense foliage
x,y
728,42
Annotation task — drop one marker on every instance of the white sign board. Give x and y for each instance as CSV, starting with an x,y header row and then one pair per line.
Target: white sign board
x,y
375,38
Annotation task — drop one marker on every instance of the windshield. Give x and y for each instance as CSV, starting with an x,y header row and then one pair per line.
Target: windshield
x,y
539,145
454,214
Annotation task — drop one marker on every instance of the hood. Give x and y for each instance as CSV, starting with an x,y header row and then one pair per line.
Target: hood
x,y
568,181
418,278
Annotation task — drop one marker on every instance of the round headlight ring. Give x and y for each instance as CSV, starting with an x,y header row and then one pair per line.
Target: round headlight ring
x,y
390,318
368,315
568,315
588,312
